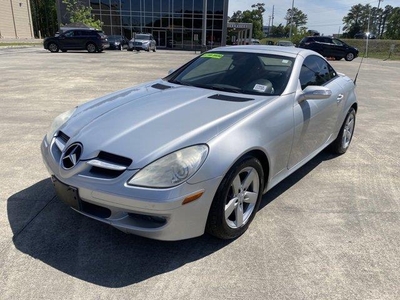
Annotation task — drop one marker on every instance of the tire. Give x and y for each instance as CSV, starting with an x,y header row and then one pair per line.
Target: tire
x,y
349,56
237,199
91,48
343,140
129,49
154,50
53,47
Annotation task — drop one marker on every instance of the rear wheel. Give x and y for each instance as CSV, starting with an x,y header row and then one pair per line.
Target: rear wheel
x,y
237,199
53,47
91,48
349,56
343,140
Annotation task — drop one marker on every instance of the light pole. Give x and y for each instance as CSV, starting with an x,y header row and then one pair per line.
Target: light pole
x,y
204,32
291,21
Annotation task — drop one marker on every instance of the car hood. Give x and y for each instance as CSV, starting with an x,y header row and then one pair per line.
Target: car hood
x,y
146,122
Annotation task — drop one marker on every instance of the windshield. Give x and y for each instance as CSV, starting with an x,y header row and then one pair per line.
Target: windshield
x,y
142,37
114,37
237,72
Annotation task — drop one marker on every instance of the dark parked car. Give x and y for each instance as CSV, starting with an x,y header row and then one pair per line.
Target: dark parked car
x,y
77,39
329,47
364,35
117,42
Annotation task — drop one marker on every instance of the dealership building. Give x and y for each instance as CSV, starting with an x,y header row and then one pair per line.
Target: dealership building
x,y
173,23
16,19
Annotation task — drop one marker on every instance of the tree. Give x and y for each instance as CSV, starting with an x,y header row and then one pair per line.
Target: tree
x,y
279,31
237,17
254,16
79,13
260,9
299,18
393,25
363,18
387,12
44,17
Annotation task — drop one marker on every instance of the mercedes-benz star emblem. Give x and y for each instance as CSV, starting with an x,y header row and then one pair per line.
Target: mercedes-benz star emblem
x,y
71,156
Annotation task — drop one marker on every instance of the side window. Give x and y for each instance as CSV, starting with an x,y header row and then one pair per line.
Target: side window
x,y
69,33
327,40
337,42
315,71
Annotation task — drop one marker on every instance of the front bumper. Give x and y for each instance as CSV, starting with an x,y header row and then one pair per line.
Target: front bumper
x,y
153,213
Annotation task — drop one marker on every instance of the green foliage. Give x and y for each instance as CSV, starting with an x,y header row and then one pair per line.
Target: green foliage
x,y
44,17
393,26
251,16
382,22
299,18
78,13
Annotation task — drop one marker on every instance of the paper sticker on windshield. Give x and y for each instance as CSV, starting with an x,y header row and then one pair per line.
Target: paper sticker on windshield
x,y
260,88
213,55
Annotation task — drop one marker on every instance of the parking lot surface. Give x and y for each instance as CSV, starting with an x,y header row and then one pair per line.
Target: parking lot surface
x,y
329,231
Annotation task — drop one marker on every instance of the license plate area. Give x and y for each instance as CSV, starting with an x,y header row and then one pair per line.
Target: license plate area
x,y
68,194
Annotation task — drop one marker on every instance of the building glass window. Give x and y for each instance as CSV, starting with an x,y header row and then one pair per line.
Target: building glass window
x,y
177,23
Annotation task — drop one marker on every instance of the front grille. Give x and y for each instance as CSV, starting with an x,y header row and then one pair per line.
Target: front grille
x,y
113,158
108,165
61,135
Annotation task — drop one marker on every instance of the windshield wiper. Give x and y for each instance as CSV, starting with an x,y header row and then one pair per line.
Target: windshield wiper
x,y
181,82
226,88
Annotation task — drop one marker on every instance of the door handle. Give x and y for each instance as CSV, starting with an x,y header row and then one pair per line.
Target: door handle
x,y
339,98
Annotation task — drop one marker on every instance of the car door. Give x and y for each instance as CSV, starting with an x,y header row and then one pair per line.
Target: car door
x,y
67,40
340,49
315,120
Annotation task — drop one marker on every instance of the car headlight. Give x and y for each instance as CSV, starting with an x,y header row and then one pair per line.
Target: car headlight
x,y
171,169
57,123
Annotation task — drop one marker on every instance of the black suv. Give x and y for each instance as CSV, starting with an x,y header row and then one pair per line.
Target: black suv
x,y
329,47
77,39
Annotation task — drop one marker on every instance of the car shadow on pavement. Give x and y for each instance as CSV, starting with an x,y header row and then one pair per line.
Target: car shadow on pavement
x,y
47,229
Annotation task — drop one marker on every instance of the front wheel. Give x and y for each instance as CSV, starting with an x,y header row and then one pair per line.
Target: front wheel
x,y
343,140
53,47
91,48
237,199
349,56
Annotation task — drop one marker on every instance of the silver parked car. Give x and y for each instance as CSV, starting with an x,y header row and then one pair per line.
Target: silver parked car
x,y
196,150
143,41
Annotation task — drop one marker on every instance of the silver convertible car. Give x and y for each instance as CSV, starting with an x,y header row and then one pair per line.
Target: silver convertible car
x,y
195,151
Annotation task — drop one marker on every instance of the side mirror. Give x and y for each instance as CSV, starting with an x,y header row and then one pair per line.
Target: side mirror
x,y
171,71
315,92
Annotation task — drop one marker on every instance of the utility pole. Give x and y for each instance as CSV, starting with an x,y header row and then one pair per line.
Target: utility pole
x,y
272,17
291,21
380,19
204,32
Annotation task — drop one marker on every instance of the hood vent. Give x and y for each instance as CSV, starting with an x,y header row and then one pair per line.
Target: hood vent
x,y
160,86
229,98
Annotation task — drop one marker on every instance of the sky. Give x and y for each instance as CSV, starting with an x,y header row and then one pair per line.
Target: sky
x,y
324,16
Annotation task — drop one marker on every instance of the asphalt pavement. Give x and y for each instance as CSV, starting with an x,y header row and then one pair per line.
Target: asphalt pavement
x,y
329,231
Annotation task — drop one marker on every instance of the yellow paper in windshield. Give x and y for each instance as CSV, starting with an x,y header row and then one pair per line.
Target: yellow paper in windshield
x,y
213,55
